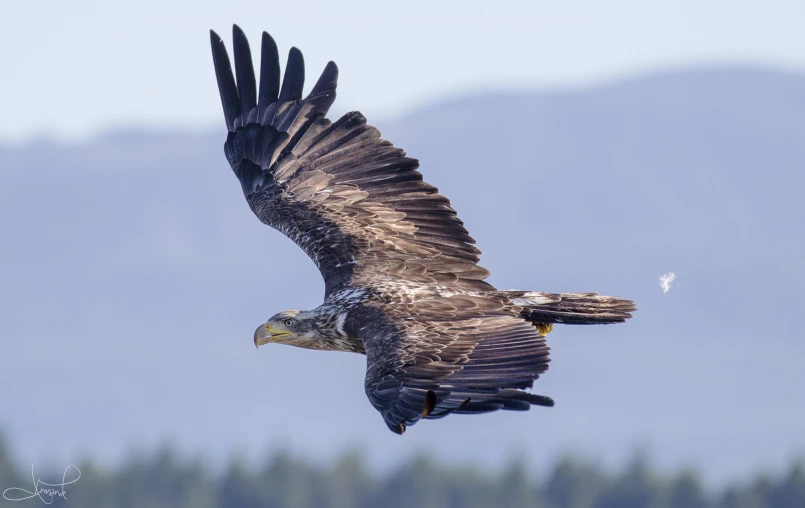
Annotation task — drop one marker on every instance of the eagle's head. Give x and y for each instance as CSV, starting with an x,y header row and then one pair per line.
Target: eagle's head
x,y
293,327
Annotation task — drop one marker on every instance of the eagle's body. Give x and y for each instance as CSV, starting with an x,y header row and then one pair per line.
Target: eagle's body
x,y
402,280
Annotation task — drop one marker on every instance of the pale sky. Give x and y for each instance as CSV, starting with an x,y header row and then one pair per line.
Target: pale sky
x,y
73,69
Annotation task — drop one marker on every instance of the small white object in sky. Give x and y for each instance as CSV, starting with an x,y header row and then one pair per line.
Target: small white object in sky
x,y
665,281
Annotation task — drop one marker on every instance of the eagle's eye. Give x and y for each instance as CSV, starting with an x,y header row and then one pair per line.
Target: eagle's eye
x,y
289,322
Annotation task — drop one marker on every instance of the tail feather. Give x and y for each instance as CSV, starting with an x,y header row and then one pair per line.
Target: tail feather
x,y
571,308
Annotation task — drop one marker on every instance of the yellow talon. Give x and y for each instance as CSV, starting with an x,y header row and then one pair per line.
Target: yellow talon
x,y
544,328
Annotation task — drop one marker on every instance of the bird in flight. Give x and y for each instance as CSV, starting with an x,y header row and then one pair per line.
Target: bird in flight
x,y
402,280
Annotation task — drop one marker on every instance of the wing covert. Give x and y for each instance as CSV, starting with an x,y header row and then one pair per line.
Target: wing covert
x,y
448,355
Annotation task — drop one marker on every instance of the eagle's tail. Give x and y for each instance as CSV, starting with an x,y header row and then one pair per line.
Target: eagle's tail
x,y
570,308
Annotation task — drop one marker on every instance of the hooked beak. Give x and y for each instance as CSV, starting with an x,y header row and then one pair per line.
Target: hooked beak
x,y
265,334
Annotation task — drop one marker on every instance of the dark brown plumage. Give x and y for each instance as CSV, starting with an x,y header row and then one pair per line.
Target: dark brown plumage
x,y
402,280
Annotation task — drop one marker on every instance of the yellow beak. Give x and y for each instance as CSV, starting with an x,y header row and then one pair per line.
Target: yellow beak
x,y
264,334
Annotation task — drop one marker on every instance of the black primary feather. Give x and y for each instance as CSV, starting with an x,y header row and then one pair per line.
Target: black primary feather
x,y
294,78
226,81
269,72
247,89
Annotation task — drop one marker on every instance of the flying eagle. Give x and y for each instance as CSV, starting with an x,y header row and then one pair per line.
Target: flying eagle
x,y
402,280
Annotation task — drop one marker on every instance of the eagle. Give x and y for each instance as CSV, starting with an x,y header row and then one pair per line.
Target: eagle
x,y
402,281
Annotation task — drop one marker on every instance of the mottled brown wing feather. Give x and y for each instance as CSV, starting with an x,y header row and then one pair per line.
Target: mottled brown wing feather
x,y
351,200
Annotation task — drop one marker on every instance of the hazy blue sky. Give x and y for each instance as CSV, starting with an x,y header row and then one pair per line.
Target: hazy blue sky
x,y
70,69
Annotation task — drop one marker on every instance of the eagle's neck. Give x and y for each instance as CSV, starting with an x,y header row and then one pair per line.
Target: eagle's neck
x,y
330,318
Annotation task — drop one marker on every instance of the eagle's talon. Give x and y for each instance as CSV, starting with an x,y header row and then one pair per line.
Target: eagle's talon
x,y
544,328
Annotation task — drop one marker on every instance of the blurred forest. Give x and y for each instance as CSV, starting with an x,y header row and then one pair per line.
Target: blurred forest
x,y
164,479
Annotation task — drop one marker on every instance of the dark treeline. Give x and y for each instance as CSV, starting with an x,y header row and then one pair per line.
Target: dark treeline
x,y
165,480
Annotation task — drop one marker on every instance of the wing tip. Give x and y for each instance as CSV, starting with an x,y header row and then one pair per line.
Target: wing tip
x,y
269,71
326,85
244,70
226,80
294,79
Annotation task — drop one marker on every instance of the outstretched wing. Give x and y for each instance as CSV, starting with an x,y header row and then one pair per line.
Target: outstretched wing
x,y
352,201
462,354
